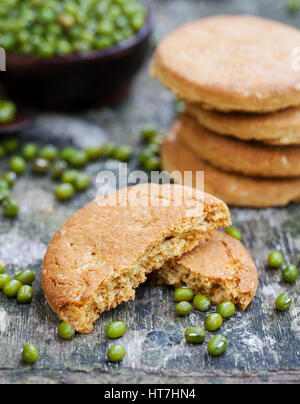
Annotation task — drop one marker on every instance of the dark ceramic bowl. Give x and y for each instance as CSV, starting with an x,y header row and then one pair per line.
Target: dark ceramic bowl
x,y
77,81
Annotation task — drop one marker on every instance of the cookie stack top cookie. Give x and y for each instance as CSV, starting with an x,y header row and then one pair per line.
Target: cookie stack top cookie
x,y
231,63
239,80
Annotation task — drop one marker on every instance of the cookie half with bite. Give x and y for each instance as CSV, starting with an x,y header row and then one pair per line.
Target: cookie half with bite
x,y
105,250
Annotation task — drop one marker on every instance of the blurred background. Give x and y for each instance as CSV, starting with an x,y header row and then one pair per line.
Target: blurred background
x,y
82,103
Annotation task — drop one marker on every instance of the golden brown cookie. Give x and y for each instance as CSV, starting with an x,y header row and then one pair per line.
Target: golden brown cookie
x,y
234,189
219,268
280,128
231,63
105,250
249,158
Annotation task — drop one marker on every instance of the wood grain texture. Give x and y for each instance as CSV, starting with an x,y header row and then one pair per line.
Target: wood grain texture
x,y
264,345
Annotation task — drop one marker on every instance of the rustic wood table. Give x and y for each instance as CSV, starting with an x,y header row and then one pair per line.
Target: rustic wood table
x,y
264,345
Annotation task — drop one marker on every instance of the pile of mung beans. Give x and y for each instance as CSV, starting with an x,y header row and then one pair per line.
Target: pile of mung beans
x,y
63,27
290,272
19,287
63,165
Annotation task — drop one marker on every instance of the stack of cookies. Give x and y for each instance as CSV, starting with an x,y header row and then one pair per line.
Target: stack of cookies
x,y
239,78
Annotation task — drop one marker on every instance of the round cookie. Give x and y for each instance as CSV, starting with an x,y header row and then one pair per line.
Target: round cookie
x,y
234,189
280,128
219,268
249,158
106,249
231,63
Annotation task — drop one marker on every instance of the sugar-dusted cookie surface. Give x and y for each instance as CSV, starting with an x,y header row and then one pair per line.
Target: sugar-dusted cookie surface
x,y
231,63
234,189
219,268
106,249
249,158
281,128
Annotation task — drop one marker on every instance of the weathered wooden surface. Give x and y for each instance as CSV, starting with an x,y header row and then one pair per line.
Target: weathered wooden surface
x,y
264,345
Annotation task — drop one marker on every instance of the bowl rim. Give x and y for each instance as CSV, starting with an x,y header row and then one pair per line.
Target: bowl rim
x,y
20,60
